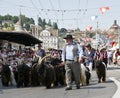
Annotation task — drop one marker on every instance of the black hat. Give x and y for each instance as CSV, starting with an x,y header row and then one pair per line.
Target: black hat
x,y
39,45
68,37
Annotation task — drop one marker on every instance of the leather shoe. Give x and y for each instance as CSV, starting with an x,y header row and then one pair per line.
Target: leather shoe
x,y
77,87
68,88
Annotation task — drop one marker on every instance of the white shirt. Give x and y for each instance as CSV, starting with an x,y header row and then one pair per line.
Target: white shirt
x,y
69,52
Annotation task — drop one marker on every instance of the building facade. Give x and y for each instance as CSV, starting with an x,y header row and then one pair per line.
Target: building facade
x,y
49,40
36,30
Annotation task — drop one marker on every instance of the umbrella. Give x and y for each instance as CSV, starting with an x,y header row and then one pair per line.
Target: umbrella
x,y
19,37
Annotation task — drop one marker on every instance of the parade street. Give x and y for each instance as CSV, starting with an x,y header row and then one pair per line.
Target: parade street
x,y
109,89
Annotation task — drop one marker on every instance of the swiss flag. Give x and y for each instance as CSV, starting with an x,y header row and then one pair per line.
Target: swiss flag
x,y
104,9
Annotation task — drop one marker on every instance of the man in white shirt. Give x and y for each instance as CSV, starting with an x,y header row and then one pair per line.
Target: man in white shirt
x,y
71,57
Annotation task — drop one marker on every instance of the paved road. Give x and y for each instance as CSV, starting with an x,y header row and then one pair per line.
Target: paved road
x,y
109,89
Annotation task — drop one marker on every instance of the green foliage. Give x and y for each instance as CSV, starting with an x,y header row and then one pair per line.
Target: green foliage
x,y
15,19
7,17
1,18
49,23
43,23
40,23
91,34
5,25
78,29
55,25
25,21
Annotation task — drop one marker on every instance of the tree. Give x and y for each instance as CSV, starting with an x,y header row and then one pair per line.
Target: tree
x,y
55,25
8,17
44,23
23,19
27,26
62,32
49,23
5,25
25,22
32,21
91,34
15,19
1,18
78,29
40,21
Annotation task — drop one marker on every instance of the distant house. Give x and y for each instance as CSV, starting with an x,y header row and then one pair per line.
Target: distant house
x,y
114,28
18,26
49,38
36,30
6,22
113,34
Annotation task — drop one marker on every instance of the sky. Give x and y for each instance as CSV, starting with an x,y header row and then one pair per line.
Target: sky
x,y
69,14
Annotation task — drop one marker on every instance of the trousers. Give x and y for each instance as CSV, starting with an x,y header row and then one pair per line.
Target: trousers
x,y
72,71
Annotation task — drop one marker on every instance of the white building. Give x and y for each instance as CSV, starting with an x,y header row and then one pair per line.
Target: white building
x,y
49,39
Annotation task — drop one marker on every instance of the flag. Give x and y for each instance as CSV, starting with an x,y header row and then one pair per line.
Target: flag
x,y
89,28
115,36
94,17
109,36
104,9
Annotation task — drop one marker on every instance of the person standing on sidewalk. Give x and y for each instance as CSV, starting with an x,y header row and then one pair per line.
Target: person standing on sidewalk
x,y
89,57
71,57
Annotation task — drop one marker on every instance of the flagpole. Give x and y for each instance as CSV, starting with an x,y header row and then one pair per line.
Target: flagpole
x,y
96,36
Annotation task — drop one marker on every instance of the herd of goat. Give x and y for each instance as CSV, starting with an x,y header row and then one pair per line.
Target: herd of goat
x,y
48,72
